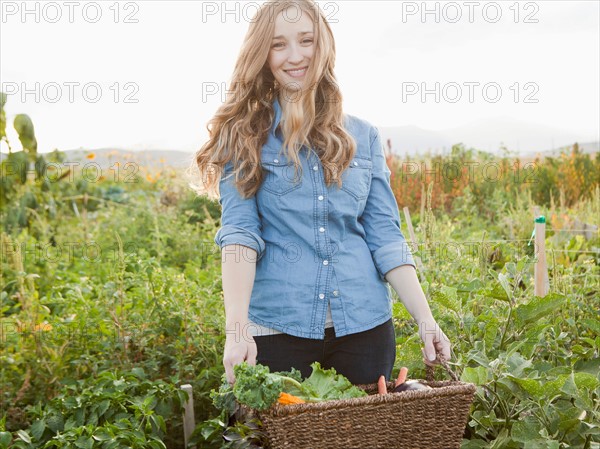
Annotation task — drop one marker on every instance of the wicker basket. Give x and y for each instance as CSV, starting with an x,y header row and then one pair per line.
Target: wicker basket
x,y
418,419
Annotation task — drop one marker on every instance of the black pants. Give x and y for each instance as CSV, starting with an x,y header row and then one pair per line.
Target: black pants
x,y
362,357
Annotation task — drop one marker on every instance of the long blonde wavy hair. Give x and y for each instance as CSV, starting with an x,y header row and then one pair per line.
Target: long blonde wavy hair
x,y
241,125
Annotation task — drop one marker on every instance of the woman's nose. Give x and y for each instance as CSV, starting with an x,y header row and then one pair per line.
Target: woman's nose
x,y
295,55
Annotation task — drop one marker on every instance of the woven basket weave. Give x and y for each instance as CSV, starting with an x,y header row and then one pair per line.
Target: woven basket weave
x,y
418,419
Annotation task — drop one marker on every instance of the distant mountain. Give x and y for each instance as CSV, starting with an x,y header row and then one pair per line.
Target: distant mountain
x,y
485,134
106,157
525,139
414,140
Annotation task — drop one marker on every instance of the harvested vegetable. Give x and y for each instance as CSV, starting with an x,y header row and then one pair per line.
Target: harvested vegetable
x,y
258,388
401,376
381,386
286,399
410,385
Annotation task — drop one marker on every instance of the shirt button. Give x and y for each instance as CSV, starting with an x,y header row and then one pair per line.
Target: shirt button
x,y
277,161
321,296
355,163
315,168
335,293
320,197
321,229
325,262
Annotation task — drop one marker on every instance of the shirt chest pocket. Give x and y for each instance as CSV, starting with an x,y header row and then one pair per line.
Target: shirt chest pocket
x,y
356,179
279,175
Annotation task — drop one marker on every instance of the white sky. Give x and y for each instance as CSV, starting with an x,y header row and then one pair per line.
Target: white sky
x,y
176,49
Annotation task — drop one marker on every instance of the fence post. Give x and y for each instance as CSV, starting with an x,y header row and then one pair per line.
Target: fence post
x,y
542,284
189,422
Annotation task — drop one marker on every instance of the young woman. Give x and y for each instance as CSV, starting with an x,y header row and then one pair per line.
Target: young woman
x,y
310,229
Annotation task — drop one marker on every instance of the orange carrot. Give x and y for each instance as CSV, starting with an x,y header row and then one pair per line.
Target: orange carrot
x,y
401,376
381,386
286,399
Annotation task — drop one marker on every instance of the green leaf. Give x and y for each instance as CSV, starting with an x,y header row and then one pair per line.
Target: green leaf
x,y
84,443
139,373
569,387
526,430
593,325
537,308
591,366
552,388
24,127
328,384
37,429
532,386
103,407
159,422
541,444
586,380
503,279
101,435
477,376
447,297
24,436
149,402
5,437
517,364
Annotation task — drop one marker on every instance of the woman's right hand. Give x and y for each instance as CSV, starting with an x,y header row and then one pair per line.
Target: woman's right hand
x,y
238,349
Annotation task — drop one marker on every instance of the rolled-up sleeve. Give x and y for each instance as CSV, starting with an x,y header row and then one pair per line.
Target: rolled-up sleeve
x,y
381,219
240,222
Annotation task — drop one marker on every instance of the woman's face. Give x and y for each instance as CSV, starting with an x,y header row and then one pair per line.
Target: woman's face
x,y
291,48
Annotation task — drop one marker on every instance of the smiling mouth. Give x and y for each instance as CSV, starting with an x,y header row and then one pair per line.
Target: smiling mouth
x,y
296,73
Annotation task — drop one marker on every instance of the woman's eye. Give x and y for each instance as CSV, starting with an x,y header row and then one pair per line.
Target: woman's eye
x,y
278,45
307,41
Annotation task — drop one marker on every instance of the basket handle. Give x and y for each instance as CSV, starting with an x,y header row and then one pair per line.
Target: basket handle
x,y
431,369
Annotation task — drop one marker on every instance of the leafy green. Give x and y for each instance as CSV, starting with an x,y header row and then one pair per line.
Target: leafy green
x,y
328,385
258,388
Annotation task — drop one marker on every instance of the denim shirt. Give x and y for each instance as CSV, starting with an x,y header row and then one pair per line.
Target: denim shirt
x,y
317,244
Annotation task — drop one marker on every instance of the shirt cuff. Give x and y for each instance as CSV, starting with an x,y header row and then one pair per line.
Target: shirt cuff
x,y
231,235
391,256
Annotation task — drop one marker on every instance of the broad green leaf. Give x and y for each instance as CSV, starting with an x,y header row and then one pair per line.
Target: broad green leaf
x,y
159,422
24,127
24,436
474,285
526,430
103,407
569,387
84,443
37,429
552,388
138,372
503,279
541,444
538,307
102,435
473,444
517,364
531,386
446,296
477,376
5,437
593,325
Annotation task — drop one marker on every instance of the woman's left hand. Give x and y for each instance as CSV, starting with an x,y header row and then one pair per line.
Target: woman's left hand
x,y
435,341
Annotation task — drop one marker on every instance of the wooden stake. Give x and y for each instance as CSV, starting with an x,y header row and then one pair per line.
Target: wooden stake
x,y
542,285
188,414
